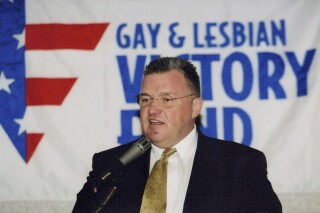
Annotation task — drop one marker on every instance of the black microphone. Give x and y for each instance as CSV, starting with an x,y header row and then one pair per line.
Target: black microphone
x,y
135,151
109,181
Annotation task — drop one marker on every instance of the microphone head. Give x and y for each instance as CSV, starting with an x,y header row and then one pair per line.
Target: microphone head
x,y
135,151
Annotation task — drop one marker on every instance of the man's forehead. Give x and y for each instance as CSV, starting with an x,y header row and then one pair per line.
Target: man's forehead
x,y
166,72
159,94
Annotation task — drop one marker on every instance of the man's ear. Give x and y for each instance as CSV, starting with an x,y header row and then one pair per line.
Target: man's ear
x,y
196,106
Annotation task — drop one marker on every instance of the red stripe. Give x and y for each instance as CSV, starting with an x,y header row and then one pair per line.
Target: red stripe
x,y
63,36
33,139
47,91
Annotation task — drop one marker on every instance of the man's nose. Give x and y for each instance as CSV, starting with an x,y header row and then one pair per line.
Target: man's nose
x,y
154,106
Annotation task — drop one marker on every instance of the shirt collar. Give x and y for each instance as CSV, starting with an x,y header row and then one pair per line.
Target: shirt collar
x,y
186,148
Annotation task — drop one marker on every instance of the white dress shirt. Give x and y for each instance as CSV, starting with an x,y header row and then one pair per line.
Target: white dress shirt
x,y
179,170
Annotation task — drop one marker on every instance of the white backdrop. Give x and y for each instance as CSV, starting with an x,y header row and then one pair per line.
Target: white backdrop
x,y
258,62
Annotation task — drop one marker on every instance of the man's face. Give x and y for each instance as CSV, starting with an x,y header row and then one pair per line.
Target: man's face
x,y
166,125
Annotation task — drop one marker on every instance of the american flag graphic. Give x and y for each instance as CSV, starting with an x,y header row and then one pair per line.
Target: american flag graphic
x,y
68,70
19,92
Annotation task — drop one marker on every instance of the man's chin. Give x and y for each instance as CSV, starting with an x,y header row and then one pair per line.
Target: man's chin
x,y
160,142
155,139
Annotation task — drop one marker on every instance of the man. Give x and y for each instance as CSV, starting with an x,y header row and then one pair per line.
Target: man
x,y
204,174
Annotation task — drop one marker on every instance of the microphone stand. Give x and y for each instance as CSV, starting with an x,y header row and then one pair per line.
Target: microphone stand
x,y
106,189
108,182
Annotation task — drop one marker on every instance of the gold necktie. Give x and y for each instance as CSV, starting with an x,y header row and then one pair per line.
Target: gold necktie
x,y
155,193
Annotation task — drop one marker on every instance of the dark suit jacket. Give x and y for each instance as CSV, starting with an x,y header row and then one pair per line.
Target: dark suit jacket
x,y
226,177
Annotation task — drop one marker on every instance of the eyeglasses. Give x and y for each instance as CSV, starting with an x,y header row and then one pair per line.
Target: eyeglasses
x,y
165,100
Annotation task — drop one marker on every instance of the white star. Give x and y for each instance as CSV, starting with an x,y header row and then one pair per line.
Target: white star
x,y
5,82
21,39
23,126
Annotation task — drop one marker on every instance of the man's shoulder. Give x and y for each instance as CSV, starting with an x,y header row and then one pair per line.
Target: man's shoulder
x,y
226,146
114,151
232,155
109,158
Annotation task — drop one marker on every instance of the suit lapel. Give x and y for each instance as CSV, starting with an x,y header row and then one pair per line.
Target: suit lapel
x,y
131,190
203,190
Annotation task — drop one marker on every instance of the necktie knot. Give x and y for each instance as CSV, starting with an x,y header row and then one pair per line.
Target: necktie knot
x,y
168,152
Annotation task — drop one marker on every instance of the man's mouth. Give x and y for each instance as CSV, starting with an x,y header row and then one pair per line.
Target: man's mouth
x,y
155,122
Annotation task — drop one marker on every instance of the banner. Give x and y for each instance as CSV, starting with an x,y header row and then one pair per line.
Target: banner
x,y
70,71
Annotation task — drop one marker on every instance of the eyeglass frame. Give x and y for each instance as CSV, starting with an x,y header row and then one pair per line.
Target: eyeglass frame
x,y
163,98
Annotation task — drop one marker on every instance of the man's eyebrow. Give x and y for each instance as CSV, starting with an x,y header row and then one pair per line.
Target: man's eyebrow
x,y
165,93
145,94
161,94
